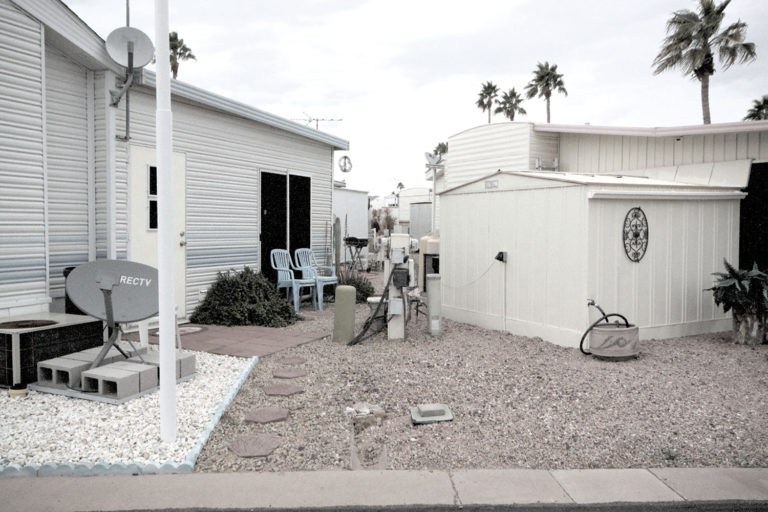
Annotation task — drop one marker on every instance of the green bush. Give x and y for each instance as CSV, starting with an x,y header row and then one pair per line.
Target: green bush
x,y
363,287
244,298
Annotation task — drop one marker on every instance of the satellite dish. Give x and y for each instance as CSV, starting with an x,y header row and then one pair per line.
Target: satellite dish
x,y
432,158
123,40
133,289
345,164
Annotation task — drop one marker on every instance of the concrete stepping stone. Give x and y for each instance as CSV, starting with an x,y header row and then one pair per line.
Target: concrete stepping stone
x,y
288,373
281,389
259,445
291,360
267,415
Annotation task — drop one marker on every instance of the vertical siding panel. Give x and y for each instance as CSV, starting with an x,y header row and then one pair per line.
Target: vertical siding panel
x,y
67,149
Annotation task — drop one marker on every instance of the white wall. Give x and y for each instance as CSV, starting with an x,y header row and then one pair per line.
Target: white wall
x,y
542,285
224,155
663,293
351,207
485,149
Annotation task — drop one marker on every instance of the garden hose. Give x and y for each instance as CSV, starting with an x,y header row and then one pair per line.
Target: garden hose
x,y
604,317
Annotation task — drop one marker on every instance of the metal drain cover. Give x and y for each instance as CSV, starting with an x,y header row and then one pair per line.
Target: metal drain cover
x,y
430,413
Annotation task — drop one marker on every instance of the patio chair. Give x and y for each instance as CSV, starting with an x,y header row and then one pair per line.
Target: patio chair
x,y
305,259
282,263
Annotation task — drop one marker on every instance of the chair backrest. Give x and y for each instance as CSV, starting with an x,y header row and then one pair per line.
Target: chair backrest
x,y
305,262
280,260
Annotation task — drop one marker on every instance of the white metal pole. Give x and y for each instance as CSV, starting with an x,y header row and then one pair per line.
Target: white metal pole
x,y
434,196
165,238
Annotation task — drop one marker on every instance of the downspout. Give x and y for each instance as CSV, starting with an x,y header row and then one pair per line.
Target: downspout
x,y
44,121
110,117
91,150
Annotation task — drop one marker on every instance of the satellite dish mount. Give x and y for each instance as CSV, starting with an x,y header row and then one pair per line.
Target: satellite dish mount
x,y
132,49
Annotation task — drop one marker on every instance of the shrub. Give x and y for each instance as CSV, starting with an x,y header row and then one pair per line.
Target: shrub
x,y
244,298
745,293
363,287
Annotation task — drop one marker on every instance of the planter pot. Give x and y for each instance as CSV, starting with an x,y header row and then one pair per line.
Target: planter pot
x,y
615,342
17,391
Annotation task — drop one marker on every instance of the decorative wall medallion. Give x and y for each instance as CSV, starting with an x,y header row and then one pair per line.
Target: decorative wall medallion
x,y
635,234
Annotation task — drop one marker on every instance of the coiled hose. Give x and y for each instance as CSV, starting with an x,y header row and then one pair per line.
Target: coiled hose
x,y
604,317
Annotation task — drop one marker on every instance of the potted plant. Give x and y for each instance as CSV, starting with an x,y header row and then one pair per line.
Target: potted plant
x,y
745,292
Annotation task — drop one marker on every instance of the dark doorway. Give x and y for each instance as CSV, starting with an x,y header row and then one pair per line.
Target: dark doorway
x,y
753,236
274,218
300,219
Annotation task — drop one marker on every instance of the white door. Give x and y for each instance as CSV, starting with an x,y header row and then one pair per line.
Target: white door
x,y
142,246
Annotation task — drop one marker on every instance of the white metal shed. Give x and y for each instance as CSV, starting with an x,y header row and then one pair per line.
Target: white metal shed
x,y
563,235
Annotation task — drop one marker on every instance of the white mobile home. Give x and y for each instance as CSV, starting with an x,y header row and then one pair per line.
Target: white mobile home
x,y
351,207
76,186
557,201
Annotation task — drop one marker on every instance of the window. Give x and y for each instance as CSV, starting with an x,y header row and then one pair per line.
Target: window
x,y
152,196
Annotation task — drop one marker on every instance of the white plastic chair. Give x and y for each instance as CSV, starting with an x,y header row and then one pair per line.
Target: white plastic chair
x,y
282,263
306,262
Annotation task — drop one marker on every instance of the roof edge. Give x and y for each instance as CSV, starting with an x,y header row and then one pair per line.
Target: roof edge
x,y
196,94
661,131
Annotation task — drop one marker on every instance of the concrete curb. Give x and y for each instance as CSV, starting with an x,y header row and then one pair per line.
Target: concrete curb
x,y
101,468
494,489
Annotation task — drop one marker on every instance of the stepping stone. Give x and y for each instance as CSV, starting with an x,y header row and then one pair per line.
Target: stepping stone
x,y
267,415
282,389
292,360
259,445
288,373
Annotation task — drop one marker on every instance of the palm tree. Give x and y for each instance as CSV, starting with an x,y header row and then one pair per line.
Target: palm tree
x,y
510,104
486,97
546,80
759,110
692,40
179,52
440,149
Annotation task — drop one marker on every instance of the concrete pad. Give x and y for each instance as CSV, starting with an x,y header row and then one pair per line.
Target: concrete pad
x,y
703,484
613,485
507,486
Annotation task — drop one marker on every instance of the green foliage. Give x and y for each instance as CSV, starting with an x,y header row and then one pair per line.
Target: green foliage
x,y
510,104
244,298
743,291
363,286
759,110
486,97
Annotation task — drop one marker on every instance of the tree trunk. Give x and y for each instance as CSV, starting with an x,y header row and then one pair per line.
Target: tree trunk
x,y
748,329
705,98
547,109
489,115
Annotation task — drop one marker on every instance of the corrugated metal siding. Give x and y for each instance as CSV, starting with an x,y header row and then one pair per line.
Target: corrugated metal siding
x,y
586,153
483,150
67,147
546,268
22,223
687,242
224,155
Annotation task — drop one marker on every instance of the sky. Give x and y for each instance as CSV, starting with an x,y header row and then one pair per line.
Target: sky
x,y
398,77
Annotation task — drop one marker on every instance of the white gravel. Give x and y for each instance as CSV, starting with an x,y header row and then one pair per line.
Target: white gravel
x,y
43,428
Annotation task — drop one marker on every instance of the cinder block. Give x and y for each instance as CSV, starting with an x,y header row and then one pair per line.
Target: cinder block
x,y
112,356
185,362
110,382
61,372
148,377
186,365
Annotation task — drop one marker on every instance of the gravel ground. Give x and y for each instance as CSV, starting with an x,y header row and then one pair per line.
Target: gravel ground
x,y
44,427
518,403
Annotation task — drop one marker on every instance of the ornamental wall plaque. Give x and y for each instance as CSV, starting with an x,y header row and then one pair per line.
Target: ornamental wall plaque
x,y
635,234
